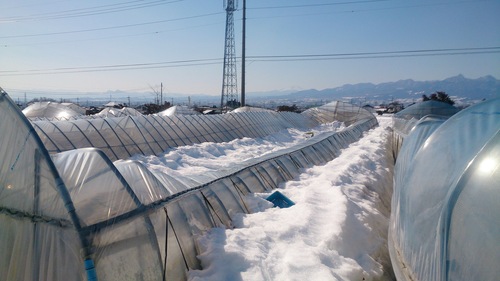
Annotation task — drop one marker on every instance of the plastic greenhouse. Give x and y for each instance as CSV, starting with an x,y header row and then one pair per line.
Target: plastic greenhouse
x,y
178,110
249,108
446,201
405,120
118,112
53,110
67,212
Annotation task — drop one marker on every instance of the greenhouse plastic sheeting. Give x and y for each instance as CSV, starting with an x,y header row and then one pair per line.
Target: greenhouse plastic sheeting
x,y
178,110
37,230
118,112
122,137
339,111
75,215
61,111
421,131
446,200
406,119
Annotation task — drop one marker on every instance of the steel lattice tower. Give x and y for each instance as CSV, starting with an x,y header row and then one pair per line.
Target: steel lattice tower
x,y
229,83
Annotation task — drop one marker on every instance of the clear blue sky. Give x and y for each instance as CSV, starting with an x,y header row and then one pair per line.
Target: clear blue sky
x,y
70,45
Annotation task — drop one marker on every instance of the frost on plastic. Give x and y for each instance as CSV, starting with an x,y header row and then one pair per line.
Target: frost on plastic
x,y
67,212
446,200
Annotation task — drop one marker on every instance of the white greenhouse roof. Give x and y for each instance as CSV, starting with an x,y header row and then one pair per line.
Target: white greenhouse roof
x,y
117,112
52,110
445,206
178,110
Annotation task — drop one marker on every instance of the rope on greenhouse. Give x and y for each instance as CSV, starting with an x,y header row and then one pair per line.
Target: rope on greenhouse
x,y
240,194
285,171
159,134
273,186
177,238
331,143
166,246
17,214
119,139
65,136
305,156
318,152
105,141
294,161
21,151
210,206
142,135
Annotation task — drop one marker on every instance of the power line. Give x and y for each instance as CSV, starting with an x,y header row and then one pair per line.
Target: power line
x,y
375,56
110,37
110,27
420,51
357,10
115,67
260,58
90,11
317,5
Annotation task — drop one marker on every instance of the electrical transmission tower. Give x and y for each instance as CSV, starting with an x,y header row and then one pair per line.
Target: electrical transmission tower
x,y
229,84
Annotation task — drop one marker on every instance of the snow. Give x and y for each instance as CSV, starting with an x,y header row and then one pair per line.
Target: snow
x,y
199,161
337,229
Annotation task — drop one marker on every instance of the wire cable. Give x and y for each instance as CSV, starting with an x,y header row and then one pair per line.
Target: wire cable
x,y
260,58
110,27
90,11
316,5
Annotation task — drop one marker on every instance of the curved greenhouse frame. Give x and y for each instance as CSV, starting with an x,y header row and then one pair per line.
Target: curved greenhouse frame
x,y
446,200
64,202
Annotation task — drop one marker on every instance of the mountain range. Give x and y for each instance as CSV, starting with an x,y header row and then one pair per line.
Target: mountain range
x,y
457,86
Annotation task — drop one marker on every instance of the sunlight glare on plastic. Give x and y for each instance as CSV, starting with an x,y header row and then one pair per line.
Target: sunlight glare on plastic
x,y
427,142
488,165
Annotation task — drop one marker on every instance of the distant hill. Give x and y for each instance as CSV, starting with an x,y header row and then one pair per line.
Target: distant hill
x,y
460,88
457,86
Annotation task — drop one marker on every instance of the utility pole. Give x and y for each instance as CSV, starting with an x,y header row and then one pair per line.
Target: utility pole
x,y
161,94
243,54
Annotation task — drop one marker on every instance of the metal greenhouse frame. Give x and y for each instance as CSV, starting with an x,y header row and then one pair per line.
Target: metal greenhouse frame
x,y
64,201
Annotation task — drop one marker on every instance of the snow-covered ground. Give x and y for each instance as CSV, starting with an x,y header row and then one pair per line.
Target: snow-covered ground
x,y
337,230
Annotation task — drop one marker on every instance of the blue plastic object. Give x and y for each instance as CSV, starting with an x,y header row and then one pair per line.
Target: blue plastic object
x,y
91,273
280,200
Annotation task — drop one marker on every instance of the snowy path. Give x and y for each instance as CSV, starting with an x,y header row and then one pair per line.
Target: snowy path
x,y
336,230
